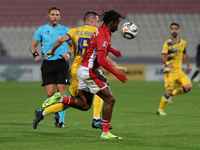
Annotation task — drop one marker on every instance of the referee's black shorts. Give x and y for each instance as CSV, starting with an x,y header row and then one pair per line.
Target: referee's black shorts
x,y
55,72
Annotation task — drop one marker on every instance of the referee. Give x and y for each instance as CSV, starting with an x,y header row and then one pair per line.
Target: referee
x,y
55,70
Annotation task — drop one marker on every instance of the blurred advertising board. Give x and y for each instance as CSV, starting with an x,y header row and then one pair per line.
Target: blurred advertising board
x,y
154,72
20,73
134,73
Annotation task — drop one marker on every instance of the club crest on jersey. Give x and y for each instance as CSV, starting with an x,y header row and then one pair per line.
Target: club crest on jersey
x,y
105,44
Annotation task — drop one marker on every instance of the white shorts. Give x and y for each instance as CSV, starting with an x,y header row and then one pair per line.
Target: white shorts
x,y
88,80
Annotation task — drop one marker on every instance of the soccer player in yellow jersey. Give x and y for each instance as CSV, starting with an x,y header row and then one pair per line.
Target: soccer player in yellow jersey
x,y
80,39
174,50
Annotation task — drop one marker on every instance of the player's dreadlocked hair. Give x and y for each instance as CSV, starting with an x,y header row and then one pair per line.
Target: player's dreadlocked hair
x,y
111,15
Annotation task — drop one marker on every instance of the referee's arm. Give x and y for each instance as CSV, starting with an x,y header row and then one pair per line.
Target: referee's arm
x,y
34,52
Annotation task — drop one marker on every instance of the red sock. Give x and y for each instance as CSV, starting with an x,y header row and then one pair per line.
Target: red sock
x,y
106,125
67,100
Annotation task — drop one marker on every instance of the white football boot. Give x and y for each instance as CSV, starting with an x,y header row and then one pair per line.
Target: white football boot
x,y
162,113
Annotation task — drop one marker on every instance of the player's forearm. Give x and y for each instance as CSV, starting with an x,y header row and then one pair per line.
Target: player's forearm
x,y
59,42
56,45
163,58
71,50
111,62
101,60
185,57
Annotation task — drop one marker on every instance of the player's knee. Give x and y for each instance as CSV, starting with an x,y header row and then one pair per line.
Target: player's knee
x,y
111,100
188,88
86,107
49,93
169,92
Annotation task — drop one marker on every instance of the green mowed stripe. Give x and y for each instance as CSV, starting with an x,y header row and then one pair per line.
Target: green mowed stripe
x,y
134,118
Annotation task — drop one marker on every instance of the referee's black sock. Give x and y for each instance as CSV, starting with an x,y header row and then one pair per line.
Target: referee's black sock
x,y
194,75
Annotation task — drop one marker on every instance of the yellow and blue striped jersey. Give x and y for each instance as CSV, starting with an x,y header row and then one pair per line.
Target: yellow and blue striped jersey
x,y
80,39
174,52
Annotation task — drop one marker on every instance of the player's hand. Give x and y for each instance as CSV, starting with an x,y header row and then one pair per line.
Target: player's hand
x,y
122,68
48,54
120,55
66,56
122,77
116,53
170,66
125,79
189,68
38,58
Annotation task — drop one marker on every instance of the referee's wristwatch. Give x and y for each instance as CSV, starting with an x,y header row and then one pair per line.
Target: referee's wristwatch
x,y
69,53
35,54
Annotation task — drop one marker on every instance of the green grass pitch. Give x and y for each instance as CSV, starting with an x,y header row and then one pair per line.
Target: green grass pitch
x,y
134,118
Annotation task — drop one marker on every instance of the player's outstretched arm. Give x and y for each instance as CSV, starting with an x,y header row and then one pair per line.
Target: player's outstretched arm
x,y
115,65
101,59
185,57
57,44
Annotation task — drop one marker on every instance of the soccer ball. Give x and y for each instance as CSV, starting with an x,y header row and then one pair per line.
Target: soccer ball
x,y
129,30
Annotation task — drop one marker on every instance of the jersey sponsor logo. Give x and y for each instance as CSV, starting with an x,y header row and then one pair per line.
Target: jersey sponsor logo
x,y
105,44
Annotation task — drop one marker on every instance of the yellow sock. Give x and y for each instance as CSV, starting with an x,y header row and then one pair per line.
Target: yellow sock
x,y
180,90
97,105
163,102
56,108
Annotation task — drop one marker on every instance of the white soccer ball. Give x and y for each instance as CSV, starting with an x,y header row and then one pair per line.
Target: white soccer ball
x,y
129,30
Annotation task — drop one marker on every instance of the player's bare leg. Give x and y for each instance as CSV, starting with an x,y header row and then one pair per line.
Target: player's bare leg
x,y
50,91
97,107
84,103
109,101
